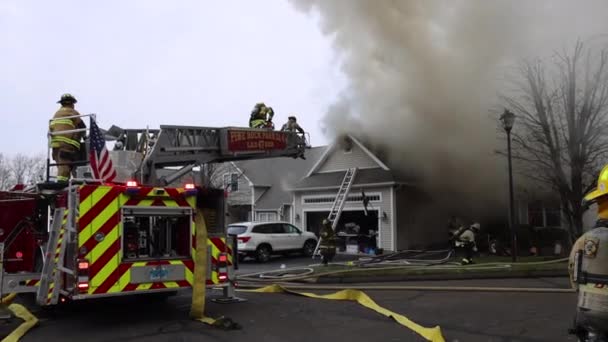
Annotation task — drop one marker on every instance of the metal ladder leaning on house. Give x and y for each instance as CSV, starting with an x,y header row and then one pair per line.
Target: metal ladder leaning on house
x,y
336,208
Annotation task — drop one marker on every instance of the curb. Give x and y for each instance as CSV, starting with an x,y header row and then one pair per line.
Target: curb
x,y
439,276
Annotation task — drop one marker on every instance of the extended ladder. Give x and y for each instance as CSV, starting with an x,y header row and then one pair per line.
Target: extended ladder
x,y
339,202
48,291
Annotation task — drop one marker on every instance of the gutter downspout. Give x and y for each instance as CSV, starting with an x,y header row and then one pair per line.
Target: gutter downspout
x,y
252,201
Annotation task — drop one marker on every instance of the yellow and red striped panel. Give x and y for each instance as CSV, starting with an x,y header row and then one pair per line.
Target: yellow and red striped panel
x,y
100,214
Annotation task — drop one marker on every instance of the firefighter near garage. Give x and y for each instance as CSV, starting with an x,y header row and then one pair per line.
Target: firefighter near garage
x,y
67,130
588,268
464,240
328,244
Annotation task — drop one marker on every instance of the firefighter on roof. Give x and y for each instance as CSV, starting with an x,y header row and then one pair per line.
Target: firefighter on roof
x,y
292,125
261,116
588,268
327,247
65,145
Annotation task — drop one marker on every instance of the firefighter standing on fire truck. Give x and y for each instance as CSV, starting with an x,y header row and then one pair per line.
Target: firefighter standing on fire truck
x,y
66,146
588,268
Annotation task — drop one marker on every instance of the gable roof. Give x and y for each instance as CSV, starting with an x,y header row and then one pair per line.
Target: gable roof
x,y
278,175
332,148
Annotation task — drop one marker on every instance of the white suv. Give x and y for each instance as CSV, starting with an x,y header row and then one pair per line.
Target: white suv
x,y
262,239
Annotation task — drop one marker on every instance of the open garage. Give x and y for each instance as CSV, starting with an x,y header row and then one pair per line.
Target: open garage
x,y
355,228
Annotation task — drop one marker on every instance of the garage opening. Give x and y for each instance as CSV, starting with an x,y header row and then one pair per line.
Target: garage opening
x,y
356,231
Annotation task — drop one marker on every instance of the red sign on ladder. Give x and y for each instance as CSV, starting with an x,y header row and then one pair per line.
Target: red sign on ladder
x,y
251,140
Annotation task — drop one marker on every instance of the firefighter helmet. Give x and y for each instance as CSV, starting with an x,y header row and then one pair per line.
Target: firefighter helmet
x,y
602,186
67,98
325,222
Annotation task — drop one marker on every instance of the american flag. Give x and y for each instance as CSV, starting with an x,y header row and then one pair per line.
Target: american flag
x,y
101,163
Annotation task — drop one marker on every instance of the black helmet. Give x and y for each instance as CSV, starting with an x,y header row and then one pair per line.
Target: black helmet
x,y
292,118
67,98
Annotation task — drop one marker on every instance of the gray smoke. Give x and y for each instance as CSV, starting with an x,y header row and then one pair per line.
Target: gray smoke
x,y
424,77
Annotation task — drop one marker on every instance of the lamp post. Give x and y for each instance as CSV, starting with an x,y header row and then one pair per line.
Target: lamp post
x,y
508,119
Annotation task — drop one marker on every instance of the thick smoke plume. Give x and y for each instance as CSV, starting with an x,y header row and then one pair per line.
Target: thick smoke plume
x,y
424,77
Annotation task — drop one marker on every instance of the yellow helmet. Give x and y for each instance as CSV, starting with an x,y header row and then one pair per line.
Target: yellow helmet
x,y
602,186
325,222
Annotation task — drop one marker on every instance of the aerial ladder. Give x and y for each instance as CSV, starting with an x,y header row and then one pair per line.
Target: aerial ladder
x,y
188,147
339,202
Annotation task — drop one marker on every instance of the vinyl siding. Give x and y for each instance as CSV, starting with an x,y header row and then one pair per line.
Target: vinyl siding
x,y
338,160
240,197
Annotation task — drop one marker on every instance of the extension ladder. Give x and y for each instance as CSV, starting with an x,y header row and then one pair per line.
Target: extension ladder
x,y
339,202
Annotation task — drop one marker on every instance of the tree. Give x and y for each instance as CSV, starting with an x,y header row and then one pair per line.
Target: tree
x,y
6,177
560,135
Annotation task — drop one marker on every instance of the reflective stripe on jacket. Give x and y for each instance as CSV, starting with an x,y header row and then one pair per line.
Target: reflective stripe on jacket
x,y
61,123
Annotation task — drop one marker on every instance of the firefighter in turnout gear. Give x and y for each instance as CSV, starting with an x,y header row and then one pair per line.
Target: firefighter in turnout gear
x,y
588,268
327,247
261,116
292,125
465,239
66,145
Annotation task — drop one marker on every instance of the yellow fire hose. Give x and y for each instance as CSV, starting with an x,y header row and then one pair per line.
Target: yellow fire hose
x,y
430,334
29,320
199,286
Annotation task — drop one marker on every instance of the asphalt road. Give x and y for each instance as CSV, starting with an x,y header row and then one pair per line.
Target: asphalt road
x,y
462,316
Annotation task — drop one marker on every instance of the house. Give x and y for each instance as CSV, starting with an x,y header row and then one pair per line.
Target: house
x,y
261,186
303,191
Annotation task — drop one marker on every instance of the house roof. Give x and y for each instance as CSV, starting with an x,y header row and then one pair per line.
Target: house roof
x,y
328,151
278,175
363,177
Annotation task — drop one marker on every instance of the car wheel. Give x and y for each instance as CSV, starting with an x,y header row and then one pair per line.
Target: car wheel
x,y
262,254
309,248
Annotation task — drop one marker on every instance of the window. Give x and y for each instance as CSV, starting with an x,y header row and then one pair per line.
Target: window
x,y
262,229
231,181
289,229
236,230
278,229
535,214
553,217
544,215
266,217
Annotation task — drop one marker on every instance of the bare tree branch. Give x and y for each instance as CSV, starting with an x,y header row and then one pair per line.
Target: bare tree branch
x,y
562,125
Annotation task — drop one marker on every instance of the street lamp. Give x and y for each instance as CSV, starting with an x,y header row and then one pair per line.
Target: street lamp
x,y
508,119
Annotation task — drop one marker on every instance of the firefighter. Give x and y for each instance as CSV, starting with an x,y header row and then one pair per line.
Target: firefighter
x,y
454,224
66,146
327,247
588,268
292,125
465,239
261,116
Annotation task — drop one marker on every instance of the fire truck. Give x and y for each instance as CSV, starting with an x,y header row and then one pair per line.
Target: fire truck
x,y
137,234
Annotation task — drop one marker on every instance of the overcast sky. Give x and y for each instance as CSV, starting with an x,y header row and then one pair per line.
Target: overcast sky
x,y
152,62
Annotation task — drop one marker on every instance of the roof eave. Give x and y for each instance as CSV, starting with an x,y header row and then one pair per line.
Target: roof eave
x,y
364,185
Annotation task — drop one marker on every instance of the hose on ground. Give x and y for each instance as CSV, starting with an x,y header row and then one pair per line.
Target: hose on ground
x,y
259,276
